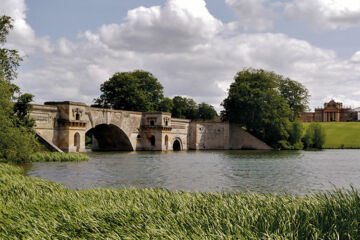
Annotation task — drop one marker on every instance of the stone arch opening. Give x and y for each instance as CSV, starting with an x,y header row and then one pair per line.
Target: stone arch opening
x,y
166,142
77,116
177,145
152,140
77,141
108,138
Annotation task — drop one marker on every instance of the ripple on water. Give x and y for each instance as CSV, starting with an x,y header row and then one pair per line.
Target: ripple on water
x,y
293,172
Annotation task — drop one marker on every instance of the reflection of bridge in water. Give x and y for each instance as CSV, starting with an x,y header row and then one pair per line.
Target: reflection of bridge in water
x,y
66,125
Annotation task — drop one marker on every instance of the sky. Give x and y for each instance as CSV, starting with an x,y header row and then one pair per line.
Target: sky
x,y
194,47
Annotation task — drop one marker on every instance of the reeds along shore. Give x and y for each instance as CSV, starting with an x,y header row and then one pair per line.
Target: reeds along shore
x,y
32,208
58,157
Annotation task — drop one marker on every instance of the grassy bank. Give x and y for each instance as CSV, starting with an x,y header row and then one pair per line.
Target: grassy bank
x,y
32,208
341,134
57,157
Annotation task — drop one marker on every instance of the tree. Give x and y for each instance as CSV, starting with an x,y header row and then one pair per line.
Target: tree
x,y
132,91
184,108
17,138
9,58
295,94
22,109
206,111
256,102
315,136
166,105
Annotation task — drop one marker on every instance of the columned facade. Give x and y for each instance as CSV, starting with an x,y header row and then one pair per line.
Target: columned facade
x,y
331,112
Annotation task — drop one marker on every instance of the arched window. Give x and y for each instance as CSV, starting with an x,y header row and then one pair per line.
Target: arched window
x,y
166,142
152,140
77,116
152,123
77,141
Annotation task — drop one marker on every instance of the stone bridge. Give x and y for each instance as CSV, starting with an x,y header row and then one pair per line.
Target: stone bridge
x,y
68,124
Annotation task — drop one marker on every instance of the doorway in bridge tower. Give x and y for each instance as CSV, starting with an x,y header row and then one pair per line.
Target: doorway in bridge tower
x,y
166,142
152,140
177,145
77,141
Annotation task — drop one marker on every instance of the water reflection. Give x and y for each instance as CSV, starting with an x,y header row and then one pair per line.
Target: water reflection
x,y
294,172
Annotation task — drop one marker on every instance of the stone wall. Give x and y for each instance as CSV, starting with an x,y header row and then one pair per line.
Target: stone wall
x,y
222,135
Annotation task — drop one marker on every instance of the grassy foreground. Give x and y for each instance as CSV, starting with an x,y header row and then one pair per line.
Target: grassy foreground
x,y
32,208
341,134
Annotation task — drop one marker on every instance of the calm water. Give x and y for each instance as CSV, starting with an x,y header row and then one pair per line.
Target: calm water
x,y
300,172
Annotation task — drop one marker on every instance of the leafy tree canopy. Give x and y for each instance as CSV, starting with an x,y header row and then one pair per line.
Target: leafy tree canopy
x,y
166,105
206,112
184,108
17,138
132,91
263,102
141,91
9,58
295,94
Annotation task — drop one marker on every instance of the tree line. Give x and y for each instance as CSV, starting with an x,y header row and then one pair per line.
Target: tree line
x,y
141,91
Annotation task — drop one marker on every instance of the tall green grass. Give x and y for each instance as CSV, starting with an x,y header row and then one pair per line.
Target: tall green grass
x,y
58,157
32,208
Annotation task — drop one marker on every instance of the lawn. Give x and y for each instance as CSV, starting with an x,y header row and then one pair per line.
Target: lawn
x,y
341,134
32,208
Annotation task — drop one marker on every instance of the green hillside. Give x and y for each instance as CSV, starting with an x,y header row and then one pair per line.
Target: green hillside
x,y
341,134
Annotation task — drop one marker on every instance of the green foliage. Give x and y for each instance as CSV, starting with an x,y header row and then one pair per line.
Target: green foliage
x,y
264,102
58,157
315,136
295,94
31,208
9,59
22,109
141,91
184,108
166,105
187,108
206,111
132,91
295,133
255,102
16,142
17,139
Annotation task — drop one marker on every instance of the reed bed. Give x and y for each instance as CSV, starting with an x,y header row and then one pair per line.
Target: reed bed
x,y
58,157
32,208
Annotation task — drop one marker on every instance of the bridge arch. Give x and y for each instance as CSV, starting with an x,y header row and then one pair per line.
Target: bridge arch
x,y
177,145
109,137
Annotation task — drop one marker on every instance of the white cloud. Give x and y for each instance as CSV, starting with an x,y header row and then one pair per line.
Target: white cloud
x,y
188,50
325,14
179,25
252,14
23,35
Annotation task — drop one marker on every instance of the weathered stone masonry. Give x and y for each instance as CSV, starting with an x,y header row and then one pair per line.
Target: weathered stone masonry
x,y
65,125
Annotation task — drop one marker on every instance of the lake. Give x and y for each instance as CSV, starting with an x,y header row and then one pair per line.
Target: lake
x,y
291,172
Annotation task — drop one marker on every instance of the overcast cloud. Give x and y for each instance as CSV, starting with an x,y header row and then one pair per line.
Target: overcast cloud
x,y
190,51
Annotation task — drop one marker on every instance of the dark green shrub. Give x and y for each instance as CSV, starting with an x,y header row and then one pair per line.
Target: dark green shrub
x,y
314,136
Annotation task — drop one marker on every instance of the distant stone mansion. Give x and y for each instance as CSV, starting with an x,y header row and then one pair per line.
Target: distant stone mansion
x,y
332,112
65,125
